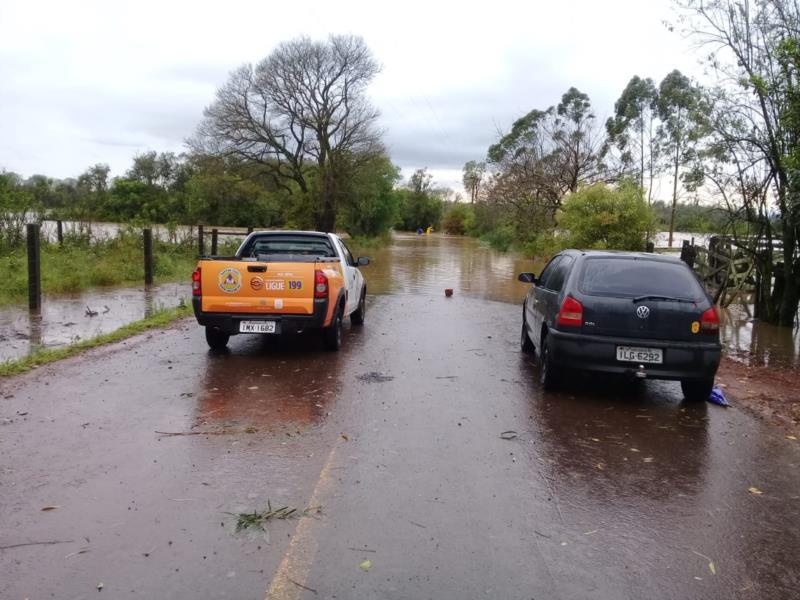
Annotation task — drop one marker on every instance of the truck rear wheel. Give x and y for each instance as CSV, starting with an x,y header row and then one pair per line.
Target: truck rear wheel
x,y
357,317
332,335
216,339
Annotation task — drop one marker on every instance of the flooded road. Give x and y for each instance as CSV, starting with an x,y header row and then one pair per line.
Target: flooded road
x,y
424,459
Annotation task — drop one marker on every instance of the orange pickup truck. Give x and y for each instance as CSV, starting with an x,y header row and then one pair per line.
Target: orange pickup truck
x,y
280,282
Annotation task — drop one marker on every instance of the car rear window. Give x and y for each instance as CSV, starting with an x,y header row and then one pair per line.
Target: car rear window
x,y
630,277
274,245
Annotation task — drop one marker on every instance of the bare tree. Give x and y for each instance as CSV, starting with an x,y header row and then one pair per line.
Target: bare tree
x,y
303,106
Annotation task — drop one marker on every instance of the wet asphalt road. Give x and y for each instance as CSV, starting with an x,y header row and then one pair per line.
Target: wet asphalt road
x,y
609,490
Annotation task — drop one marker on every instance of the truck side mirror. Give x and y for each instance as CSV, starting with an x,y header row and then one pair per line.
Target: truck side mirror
x,y
362,261
528,278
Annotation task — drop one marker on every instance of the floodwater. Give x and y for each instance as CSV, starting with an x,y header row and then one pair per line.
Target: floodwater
x,y
411,265
424,459
67,319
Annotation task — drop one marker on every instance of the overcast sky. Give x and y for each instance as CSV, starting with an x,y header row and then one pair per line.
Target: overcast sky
x,y
86,82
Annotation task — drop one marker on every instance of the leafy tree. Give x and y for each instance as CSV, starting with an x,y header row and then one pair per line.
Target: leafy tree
x,y
679,110
420,204
457,219
303,106
600,216
633,131
473,174
372,205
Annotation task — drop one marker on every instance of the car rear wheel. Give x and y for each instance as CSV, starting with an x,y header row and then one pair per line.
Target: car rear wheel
x,y
548,372
697,390
525,342
358,315
216,339
332,335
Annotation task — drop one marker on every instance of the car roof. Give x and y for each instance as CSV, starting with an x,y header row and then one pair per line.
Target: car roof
x,y
623,254
290,232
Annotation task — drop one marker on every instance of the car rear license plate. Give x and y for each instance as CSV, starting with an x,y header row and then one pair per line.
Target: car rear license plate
x,y
640,355
257,327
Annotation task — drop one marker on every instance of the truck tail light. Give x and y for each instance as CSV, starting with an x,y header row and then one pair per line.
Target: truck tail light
x,y
320,284
571,313
196,282
709,321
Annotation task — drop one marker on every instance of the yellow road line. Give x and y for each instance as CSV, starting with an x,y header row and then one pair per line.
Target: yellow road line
x,y
293,571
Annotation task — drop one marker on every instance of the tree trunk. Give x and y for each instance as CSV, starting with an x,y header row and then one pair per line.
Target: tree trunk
x,y
674,195
326,217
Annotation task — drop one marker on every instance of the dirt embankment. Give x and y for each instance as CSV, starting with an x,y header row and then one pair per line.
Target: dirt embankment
x,y
771,393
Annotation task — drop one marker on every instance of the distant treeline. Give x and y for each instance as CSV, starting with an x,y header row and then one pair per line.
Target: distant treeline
x,y
191,189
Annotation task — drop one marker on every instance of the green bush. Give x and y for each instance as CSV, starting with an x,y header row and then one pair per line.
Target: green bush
x,y
605,217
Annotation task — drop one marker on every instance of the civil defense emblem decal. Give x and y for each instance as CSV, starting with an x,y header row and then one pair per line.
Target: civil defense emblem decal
x,y
230,280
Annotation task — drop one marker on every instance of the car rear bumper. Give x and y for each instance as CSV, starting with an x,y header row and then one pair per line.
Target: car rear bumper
x,y
682,360
229,322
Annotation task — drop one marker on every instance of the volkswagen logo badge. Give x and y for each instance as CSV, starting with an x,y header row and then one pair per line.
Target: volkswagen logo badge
x,y
642,312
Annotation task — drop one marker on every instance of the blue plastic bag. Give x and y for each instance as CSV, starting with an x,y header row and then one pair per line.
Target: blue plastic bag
x,y
717,397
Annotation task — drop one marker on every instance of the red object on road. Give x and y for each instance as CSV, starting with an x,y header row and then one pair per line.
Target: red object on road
x,y
448,292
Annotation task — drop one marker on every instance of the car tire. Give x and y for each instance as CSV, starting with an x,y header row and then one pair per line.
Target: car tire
x,y
357,318
217,340
525,341
548,372
697,390
332,335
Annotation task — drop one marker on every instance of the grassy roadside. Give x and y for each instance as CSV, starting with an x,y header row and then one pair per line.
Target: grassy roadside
x,y
43,357
80,265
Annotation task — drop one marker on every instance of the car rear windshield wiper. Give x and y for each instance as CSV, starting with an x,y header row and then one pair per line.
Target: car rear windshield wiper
x,y
660,297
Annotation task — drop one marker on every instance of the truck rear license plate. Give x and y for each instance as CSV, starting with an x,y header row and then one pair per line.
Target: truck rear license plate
x,y
640,355
257,327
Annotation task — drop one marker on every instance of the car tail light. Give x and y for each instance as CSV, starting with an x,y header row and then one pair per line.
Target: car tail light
x,y
320,284
571,313
196,282
709,321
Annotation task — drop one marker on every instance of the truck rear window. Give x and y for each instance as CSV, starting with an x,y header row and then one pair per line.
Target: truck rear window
x,y
283,245
631,277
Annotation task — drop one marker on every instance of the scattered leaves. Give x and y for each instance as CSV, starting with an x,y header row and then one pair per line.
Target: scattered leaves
x,y
345,437
648,459
754,490
48,508
365,565
508,435
253,387
100,587
791,437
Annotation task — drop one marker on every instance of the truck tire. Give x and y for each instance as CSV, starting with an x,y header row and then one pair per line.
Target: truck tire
x,y
357,317
332,335
216,339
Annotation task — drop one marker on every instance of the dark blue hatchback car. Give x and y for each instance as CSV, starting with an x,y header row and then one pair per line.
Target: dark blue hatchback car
x,y
636,314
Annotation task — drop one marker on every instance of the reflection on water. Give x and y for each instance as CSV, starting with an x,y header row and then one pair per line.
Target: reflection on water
x,y
427,264
756,343
65,320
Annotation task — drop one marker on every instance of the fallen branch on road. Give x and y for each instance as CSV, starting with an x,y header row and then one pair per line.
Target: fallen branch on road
x,y
36,544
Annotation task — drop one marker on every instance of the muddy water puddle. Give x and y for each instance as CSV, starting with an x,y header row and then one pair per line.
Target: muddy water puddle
x,y
66,320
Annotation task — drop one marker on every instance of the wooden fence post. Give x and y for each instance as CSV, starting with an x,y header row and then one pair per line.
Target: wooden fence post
x,y
60,232
201,249
214,236
34,268
148,256
249,230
